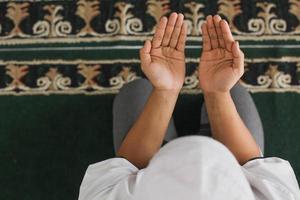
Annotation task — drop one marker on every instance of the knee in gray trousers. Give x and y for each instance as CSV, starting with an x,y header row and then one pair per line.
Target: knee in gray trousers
x,y
247,111
128,105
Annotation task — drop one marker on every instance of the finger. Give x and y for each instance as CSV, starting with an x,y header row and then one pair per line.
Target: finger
x,y
176,31
145,54
217,20
206,44
159,32
228,38
212,32
182,38
169,29
238,57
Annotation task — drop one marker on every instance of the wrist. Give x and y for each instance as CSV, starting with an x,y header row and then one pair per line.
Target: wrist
x,y
216,94
169,88
166,92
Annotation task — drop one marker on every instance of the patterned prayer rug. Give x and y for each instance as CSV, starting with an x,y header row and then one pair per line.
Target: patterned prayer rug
x,y
62,62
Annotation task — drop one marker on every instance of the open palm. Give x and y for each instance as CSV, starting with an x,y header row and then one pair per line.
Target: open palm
x,y
163,59
222,62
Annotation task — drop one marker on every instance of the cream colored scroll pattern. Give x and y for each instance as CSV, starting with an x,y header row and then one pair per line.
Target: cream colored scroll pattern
x,y
124,20
87,78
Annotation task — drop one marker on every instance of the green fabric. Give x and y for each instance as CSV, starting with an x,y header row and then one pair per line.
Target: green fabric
x,y
47,142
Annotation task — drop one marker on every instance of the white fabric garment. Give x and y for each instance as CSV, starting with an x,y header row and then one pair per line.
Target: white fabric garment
x,y
191,168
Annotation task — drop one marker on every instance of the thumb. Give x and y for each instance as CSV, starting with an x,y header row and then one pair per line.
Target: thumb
x,y
145,54
238,57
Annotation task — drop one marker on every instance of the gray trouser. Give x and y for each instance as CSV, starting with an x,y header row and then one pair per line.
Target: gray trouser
x,y
130,101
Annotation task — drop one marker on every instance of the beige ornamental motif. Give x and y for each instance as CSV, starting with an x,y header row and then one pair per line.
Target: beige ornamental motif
x,y
16,73
87,10
53,81
191,82
194,18
267,21
53,24
17,12
277,78
157,9
273,78
125,76
89,72
295,10
124,22
230,9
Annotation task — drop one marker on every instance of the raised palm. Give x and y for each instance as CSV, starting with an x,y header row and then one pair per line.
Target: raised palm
x,y
222,62
163,59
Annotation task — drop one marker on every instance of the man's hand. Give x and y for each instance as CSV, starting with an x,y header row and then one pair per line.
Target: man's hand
x,y
163,63
162,59
221,66
222,62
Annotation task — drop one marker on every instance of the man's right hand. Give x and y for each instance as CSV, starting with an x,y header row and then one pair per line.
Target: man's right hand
x,y
222,61
163,59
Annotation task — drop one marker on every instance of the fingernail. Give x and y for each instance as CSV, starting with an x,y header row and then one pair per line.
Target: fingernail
x,y
163,18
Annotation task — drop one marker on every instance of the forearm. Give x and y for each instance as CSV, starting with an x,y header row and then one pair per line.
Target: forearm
x,y
146,136
228,128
